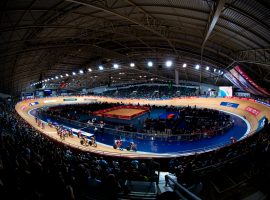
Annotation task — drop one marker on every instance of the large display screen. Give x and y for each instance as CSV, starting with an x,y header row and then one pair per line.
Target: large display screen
x,y
225,91
27,95
47,92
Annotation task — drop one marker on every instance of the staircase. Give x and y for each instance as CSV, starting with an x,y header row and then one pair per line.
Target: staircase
x,y
138,195
162,183
146,190
140,190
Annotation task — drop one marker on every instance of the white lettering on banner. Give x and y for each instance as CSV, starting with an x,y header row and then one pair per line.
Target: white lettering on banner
x,y
90,99
253,111
50,101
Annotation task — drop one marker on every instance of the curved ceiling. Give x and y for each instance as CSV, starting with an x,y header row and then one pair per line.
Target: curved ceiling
x,y
49,38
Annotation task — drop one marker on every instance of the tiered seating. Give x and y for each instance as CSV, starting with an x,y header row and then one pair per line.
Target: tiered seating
x,y
33,167
151,91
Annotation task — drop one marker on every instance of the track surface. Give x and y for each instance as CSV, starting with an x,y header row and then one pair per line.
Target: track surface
x,y
152,148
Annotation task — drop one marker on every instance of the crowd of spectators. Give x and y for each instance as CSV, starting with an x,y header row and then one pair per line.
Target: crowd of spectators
x,y
190,121
34,167
75,111
203,120
198,122
253,151
151,92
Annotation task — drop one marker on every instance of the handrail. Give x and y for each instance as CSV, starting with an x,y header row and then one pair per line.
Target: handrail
x,y
158,169
190,152
182,191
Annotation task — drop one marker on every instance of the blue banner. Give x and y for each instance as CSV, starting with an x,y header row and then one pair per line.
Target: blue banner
x,y
264,103
33,103
261,123
70,99
229,104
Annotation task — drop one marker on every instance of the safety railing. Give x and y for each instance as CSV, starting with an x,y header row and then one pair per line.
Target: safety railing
x,y
150,135
180,190
117,134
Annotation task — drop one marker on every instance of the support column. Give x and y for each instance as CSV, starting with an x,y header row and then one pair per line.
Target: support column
x,y
176,76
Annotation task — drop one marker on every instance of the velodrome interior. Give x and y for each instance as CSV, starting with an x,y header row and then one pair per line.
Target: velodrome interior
x,y
135,99
24,107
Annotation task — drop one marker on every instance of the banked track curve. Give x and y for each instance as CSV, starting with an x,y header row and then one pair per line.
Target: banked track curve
x,y
252,111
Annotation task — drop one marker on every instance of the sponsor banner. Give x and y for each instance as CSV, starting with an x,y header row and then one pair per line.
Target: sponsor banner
x,y
229,104
246,85
50,101
252,111
232,79
33,103
23,107
238,68
261,123
70,99
91,100
264,103
243,98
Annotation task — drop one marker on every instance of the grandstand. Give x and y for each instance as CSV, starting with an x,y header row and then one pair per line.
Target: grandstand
x,y
114,99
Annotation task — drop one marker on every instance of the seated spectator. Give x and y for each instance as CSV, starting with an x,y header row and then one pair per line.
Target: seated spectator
x,y
111,186
93,182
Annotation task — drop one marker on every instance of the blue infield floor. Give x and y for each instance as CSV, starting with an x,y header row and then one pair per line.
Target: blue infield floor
x,y
158,146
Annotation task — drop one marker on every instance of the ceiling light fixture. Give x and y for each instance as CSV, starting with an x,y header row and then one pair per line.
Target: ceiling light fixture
x,y
100,67
168,63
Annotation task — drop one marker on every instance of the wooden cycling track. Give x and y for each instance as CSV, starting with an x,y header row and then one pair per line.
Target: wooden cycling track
x,y
25,106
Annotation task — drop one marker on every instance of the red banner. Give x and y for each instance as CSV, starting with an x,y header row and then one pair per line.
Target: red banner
x,y
240,71
253,111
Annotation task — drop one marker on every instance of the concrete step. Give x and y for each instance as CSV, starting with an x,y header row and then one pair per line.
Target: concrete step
x,y
139,195
256,196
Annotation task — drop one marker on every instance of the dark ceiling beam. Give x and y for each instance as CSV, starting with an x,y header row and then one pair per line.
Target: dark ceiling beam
x,y
254,56
139,8
244,29
22,47
222,26
183,52
212,20
52,46
75,42
88,28
250,17
152,26
186,53
176,40
74,27
13,31
84,28
256,62
22,10
112,26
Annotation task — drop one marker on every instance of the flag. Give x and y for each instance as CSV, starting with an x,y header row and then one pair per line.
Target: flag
x,y
63,83
170,85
